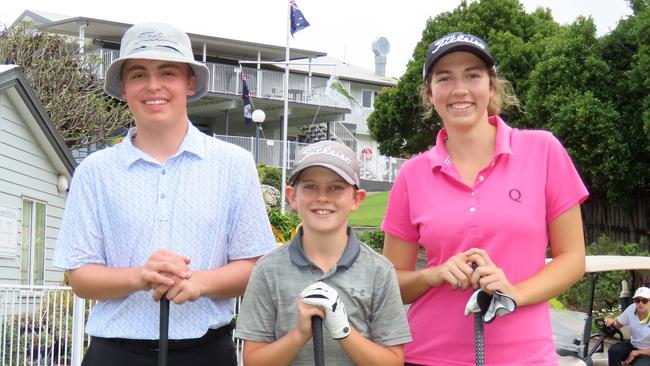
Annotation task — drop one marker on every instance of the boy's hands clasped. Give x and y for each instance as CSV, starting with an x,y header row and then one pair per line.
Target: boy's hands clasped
x,y
168,274
336,319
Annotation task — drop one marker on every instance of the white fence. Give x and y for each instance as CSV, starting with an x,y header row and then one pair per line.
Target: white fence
x,y
38,326
377,167
44,325
225,78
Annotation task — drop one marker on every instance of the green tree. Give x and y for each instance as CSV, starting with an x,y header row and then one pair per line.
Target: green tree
x,y
568,96
592,93
67,85
627,51
397,122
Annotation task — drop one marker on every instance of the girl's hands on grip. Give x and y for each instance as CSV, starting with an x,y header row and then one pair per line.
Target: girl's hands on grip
x,y
456,271
487,276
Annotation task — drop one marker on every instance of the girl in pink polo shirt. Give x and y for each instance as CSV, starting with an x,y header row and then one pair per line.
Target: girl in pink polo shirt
x,y
485,195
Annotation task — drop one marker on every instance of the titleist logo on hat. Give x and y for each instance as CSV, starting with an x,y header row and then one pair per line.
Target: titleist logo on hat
x,y
325,150
457,38
144,40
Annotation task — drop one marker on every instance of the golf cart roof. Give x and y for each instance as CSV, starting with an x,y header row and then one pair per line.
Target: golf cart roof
x,y
603,263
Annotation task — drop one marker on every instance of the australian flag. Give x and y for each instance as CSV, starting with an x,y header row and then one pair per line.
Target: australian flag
x,y
245,96
298,21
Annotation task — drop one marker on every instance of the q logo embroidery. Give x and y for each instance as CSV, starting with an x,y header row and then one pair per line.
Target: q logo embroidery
x,y
515,195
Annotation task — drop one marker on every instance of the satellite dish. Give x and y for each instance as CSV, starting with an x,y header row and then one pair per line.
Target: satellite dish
x,y
381,46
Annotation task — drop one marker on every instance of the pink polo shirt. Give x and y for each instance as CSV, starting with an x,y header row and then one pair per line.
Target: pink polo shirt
x,y
529,182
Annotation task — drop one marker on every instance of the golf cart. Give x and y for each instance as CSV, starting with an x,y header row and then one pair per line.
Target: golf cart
x,y
575,342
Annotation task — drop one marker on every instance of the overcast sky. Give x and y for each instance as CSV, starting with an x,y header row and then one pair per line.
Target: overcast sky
x,y
345,29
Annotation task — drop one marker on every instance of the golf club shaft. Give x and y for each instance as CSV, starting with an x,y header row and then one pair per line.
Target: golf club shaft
x,y
478,334
164,332
317,339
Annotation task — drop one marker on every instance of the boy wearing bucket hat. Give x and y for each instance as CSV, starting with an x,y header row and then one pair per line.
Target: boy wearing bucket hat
x,y
327,272
168,212
636,350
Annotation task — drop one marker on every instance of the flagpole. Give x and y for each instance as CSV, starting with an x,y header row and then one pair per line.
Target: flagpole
x,y
285,121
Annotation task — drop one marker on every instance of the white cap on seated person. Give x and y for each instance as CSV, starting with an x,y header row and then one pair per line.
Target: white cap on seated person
x,y
643,292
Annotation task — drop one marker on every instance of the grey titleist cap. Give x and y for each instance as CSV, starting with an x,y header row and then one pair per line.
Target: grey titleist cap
x,y
328,154
159,42
454,42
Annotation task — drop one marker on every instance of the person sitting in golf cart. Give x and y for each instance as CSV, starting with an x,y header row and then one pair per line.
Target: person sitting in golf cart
x,y
636,350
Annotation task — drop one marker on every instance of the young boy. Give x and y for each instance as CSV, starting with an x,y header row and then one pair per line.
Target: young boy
x,y
327,272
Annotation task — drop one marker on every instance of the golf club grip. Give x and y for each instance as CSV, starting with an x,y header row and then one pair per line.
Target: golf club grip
x,y
317,339
164,332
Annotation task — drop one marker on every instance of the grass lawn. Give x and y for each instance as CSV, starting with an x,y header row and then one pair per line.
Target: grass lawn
x,y
371,211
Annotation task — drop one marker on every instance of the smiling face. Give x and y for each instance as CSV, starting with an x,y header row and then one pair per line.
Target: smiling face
x,y
157,91
323,200
460,90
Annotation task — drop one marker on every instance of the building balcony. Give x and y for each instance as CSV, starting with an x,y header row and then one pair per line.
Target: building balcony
x,y
262,83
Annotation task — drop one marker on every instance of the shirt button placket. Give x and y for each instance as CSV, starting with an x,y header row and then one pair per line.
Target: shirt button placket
x,y
163,199
474,221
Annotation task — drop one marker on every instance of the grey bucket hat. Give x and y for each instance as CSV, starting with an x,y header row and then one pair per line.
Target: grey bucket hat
x,y
160,42
332,155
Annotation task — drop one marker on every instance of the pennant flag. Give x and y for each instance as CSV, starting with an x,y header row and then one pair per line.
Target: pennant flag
x,y
298,21
245,96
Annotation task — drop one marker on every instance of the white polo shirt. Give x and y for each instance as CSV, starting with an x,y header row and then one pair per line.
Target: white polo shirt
x,y
639,331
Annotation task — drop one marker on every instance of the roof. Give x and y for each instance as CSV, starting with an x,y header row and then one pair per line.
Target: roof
x,y
603,263
14,83
326,66
38,17
111,31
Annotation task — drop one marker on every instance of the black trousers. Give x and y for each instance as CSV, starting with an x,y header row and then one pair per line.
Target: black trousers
x,y
620,352
215,348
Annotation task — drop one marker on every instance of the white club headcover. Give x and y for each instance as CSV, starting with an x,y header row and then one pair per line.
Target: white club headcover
x,y
490,305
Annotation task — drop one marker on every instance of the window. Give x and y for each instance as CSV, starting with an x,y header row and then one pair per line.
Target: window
x,y
368,98
32,263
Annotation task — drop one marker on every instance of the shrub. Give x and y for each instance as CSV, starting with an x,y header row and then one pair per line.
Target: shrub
x,y
269,175
283,224
374,239
608,285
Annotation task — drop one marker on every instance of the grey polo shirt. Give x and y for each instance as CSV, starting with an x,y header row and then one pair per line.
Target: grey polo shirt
x,y
365,280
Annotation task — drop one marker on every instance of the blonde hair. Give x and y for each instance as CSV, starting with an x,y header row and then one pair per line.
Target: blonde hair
x,y
504,96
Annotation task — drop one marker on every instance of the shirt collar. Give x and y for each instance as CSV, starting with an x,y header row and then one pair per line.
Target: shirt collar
x,y
350,254
192,143
439,157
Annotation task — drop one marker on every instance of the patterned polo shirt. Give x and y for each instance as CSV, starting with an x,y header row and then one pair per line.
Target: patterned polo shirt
x,y
204,202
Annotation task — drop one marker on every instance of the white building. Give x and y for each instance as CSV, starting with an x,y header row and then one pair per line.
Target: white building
x,y
35,169
313,113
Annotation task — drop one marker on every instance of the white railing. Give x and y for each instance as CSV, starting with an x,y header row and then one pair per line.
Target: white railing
x,y
373,167
44,325
37,325
270,151
226,78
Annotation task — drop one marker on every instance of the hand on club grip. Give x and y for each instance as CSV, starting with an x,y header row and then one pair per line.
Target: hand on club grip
x,y
336,319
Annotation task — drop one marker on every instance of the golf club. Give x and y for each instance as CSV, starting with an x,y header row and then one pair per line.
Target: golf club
x,y
164,331
317,339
